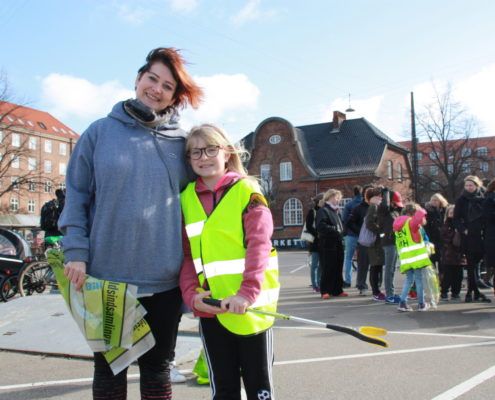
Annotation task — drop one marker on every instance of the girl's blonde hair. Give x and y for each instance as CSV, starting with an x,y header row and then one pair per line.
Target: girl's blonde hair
x,y
443,201
216,136
473,178
329,194
451,207
410,209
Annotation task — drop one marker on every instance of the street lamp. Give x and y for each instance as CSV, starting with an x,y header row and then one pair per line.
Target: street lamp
x,y
350,109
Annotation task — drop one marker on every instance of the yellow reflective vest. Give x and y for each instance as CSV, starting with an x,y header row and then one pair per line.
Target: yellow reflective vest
x,y
219,254
412,255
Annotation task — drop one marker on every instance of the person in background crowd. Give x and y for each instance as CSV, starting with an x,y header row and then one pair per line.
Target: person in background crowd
x,y
124,178
489,220
375,252
435,219
331,248
314,257
388,210
468,221
350,238
452,259
412,251
354,223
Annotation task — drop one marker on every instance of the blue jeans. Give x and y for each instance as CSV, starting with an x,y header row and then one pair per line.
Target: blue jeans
x,y
314,269
413,275
390,253
350,247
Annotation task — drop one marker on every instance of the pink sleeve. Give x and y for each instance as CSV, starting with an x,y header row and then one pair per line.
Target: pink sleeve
x,y
188,280
417,220
258,227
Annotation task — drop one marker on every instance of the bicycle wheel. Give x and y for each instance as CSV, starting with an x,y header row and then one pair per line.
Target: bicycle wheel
x,y
36,278
8,287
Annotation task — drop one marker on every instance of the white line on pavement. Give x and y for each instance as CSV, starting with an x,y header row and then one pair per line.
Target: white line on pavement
x,y
466,386
68,381
384,353
298,268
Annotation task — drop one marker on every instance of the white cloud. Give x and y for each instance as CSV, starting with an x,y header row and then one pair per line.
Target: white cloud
x,y
226,97
184,6
251,12
67,96
133,14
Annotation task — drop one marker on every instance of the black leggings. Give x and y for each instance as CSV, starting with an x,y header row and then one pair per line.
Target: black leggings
x,y
163,310
452,279
231,357
473,260
376,278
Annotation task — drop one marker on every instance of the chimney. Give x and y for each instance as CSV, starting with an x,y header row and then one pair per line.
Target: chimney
x,y
338,118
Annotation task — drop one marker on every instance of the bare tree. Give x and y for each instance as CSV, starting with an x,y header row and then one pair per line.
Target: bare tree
x,y
450,132
15,149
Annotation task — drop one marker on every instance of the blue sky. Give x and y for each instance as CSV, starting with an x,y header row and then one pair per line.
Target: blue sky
x,y
256,59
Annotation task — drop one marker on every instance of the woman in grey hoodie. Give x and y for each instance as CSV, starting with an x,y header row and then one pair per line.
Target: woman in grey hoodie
x,y
122,217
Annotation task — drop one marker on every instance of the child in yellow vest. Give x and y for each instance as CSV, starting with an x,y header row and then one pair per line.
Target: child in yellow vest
x,y
228,255
413,253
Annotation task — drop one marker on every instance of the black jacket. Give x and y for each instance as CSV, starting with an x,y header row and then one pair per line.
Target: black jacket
x,y
330,228
468,215
311,228
356,219
434,223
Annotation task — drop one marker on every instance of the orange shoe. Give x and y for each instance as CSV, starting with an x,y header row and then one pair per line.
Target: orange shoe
x,y
343,294
325,296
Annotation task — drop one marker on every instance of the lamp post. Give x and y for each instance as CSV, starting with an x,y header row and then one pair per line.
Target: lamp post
x,y
350,109
414,148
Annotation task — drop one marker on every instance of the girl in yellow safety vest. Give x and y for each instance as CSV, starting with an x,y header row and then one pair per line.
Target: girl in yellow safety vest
x,y
229,256
413,253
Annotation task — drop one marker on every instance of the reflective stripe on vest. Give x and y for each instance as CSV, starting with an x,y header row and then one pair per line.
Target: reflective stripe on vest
x,y
412,255
218,252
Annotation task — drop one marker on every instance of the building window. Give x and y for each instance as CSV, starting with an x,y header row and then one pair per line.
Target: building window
x,y
420,170
450,168
62,168
16,140
433,155
48,146
484,166
434,186
62,149
48,166
33,142
31,164
419,156
266,172
14,204
399,172
390,169
32,186
1,136
48,187
15,162
15,183
31,206
293,212
286,171
433,170
466,168
61,185
482,151
466,152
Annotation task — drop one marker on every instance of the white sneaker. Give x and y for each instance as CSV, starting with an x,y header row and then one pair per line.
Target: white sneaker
x,y
176,376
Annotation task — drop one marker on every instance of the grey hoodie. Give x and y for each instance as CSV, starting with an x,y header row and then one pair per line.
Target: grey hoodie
x,y
122,210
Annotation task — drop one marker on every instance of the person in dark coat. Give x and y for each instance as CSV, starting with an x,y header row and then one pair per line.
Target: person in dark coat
x,y
350,238
468,221
314,258
353,226
375,251
434,222
331,248
452,258
489,220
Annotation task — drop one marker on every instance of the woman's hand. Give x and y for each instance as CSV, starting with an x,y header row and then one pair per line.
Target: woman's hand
x,y
198,304
235,304
76,272
376,200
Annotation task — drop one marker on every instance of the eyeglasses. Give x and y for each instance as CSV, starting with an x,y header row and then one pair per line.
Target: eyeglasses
x,y
197,153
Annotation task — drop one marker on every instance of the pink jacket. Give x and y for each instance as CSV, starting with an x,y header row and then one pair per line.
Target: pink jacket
x,y
415,224
258,229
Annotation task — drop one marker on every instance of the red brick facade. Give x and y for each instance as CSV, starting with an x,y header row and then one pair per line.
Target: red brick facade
x,y
305,182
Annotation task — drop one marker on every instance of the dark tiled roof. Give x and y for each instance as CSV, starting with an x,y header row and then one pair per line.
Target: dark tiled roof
x,y
356,149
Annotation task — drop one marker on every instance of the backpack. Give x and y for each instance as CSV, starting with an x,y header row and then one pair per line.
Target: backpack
x,y
49,216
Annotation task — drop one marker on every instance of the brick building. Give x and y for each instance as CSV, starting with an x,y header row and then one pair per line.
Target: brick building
x,y
35,148
295,163
442,166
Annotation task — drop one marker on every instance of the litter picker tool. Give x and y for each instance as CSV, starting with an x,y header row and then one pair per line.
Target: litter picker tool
x,y
365,333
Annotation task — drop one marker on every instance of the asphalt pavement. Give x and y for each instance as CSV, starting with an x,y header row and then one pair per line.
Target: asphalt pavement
x,y
441,354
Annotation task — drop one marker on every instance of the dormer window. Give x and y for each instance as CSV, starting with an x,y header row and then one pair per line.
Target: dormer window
x,y
42,125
